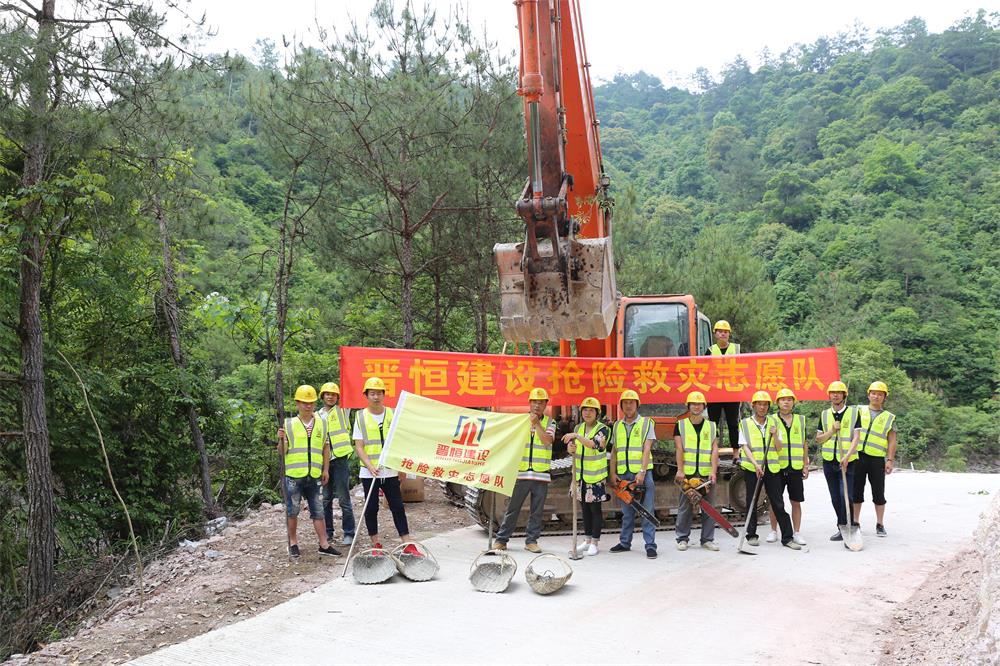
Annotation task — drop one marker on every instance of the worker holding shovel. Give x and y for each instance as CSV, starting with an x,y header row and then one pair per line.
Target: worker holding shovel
x,y
588,446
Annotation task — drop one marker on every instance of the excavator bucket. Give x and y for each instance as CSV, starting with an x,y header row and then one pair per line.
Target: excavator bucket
x,y
559,297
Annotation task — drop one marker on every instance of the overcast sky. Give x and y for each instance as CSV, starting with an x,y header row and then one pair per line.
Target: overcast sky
x,y
667,38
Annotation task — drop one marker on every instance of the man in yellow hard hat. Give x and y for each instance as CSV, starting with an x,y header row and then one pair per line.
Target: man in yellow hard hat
x,y
834,435
759,434
632,439
532,476
793,462
875,441
588,445
723,347
696,443
338,426
371,426
307,469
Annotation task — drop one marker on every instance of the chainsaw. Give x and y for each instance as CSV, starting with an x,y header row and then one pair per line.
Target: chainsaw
x,y
631,494
692,488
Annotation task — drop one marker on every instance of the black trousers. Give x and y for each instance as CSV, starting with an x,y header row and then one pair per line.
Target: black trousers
x,y
732,412
593,519
872,468
393,493
774,486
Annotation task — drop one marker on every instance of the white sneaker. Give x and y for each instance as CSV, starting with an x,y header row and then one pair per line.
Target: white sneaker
x,y
797,538
772,537
581,549
592,549
348,540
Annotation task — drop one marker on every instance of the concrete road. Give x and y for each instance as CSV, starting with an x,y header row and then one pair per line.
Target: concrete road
x,y
693,607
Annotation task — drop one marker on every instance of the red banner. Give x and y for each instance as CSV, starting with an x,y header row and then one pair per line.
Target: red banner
x,y
494,380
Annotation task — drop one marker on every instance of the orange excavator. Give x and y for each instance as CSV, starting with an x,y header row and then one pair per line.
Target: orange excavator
x,y
558,283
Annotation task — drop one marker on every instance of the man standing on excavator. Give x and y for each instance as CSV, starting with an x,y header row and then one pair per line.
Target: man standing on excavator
x,y
532,477
723,347
632,441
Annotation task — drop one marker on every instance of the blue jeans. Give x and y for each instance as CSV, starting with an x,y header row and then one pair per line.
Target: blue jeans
x,y
296,489
338,487
628,514
831,470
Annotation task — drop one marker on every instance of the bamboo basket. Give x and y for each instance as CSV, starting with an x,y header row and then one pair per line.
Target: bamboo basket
x,y
371,569
492,575
417,568
546,576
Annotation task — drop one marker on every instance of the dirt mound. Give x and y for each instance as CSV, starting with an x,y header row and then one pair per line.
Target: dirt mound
x,y
223,579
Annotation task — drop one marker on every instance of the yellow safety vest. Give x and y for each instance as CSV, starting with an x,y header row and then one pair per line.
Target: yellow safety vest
x,y
697,447
628,446
337,424
591,465
372,438
756,441
791,453
731,348
536,456
304,452
875,433
835,447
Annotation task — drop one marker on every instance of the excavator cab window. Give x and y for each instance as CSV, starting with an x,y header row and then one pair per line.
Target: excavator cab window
x,y
657,330
704,334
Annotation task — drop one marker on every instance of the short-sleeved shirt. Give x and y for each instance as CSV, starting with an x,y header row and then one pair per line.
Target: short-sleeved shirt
x,y
363,473
600,437
763,431
650,432
837,416
874,413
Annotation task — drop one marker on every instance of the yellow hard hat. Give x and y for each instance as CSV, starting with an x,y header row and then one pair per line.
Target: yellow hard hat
x,y
591,402
538,393
696,396
629,394
305,393
329,387
374,383
837,386
879,386
761,396
784,393
722,325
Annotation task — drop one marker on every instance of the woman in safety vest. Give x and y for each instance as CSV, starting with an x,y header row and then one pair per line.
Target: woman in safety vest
x,y
588,446
371,427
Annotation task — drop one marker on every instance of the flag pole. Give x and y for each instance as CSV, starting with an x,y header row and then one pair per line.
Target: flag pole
x,y
354,542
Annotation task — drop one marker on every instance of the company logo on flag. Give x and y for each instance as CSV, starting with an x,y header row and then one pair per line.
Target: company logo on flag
x,y
457,444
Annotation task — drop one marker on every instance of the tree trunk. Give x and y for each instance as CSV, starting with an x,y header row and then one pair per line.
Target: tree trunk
x,y
171,313
41,506
406,286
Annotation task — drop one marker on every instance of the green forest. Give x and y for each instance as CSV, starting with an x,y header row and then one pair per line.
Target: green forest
x,y
184,237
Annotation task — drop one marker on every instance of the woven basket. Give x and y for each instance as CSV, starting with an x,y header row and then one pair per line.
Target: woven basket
x,y
415,567
493,574
369,568
547,573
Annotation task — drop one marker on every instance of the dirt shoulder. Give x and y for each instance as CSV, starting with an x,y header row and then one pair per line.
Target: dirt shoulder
x,y
954,617
223,579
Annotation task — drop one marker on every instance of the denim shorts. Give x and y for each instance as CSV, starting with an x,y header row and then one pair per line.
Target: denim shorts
x,y
308,487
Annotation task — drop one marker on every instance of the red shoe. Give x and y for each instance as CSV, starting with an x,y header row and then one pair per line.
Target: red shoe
x,y
411,549
377,550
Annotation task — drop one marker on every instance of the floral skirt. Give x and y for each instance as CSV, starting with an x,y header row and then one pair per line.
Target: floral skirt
x,y
593,492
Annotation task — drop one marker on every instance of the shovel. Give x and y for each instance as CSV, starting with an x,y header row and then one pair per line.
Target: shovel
x,y
574,554
850,533
742,545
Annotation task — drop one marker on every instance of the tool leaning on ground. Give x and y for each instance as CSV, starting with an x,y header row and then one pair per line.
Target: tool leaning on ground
x,y
850,533
630,493
741,546
692,488
574,489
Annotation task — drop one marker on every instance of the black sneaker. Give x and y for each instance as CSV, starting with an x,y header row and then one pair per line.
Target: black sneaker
x,y
753,540
837,536
329,551
293,550
880,531
619,548
651,553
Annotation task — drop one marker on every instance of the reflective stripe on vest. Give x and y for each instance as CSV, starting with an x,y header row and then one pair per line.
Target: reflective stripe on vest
x,y
628,458
536,457
756,441
840,443
371,437
340,439
875,433
304,455
731,348
591,465
697,447
793,442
